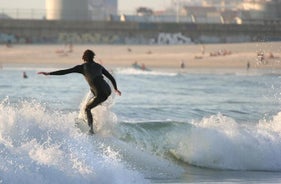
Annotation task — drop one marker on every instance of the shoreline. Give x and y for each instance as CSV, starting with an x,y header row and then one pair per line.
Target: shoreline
x,y
198,57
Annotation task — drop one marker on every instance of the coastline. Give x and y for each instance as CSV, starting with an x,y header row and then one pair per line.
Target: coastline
x,y
201,57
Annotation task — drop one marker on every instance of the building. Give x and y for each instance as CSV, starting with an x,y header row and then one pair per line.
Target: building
x,y
102,9
80,10
67,10
261,11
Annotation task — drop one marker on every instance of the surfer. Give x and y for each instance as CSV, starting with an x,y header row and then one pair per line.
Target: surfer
x,y
93,73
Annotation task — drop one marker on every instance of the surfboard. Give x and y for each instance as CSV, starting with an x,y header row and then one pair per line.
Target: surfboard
x,y
174,154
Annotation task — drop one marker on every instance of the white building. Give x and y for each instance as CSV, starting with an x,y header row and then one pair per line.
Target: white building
x,y
80,9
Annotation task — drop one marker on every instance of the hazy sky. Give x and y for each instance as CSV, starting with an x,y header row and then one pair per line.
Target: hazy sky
x,y
123,5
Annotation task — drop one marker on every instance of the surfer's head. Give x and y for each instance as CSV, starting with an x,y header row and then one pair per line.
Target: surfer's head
x,y
88,55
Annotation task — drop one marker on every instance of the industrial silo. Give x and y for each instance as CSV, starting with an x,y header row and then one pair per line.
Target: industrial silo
x,y
67,10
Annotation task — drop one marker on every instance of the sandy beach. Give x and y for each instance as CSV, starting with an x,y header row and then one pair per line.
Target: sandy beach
x,y
261,55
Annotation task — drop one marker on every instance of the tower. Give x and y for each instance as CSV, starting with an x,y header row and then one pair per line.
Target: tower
x,y
67,10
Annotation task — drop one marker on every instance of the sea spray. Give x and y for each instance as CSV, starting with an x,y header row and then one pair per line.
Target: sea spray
x,y
42,146
104,119
220,142
134,156
133,71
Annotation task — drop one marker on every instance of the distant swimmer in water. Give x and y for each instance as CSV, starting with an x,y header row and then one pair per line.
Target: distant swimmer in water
x,y
93,73
24,75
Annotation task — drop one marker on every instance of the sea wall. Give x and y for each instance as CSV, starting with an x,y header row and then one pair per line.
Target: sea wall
x,y
110,32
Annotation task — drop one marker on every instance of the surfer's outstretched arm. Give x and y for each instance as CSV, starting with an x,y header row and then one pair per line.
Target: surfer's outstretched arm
x,y
76,69
43,73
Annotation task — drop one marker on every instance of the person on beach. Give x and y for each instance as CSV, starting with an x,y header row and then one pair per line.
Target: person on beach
x,y
93,73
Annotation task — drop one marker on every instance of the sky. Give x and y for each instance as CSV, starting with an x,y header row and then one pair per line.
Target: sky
x,y
123,5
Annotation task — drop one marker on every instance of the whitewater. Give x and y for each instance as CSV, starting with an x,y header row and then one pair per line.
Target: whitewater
x,y
167,127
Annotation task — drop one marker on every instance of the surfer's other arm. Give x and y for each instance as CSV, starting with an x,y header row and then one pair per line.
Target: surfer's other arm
x,y
111,78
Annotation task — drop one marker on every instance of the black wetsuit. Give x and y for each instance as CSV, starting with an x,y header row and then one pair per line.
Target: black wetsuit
x,y
93,73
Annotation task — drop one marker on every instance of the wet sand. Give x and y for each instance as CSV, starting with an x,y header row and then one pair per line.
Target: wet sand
x,y
226,56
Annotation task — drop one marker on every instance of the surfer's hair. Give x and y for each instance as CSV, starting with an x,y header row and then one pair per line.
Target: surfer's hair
x,y
89,54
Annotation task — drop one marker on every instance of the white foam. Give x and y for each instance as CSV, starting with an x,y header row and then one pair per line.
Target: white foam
x,y
132,155
133,71
220,142
39,146
104,119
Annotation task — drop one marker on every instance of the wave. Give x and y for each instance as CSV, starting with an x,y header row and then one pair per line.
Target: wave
x,y
107,125
221,143
38,145
216,142
133,71
177,72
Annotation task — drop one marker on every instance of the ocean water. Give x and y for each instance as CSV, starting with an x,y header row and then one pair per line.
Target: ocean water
x,y
167,127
